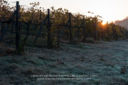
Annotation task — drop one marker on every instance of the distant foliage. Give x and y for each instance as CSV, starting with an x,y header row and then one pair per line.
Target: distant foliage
x,y
82,27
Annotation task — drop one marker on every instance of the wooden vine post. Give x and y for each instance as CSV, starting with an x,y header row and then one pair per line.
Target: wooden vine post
x,y
84,29
2,32
18,50
49,39
70,27
95,26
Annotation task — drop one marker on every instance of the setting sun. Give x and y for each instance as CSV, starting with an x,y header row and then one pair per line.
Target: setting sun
x,y
103,23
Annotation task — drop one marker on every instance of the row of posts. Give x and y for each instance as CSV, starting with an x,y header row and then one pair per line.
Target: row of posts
x,y
17,40
49,39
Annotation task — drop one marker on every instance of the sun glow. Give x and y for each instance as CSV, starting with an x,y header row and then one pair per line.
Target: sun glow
x,y
103,23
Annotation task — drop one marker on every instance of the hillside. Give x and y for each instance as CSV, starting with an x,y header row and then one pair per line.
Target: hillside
x,y
123,23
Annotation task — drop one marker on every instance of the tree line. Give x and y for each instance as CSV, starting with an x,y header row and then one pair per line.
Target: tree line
x,y
62,25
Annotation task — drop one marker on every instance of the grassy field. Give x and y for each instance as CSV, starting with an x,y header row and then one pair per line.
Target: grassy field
x,y
102,63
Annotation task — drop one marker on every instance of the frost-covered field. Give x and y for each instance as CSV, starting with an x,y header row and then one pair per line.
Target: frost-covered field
x,y
103,63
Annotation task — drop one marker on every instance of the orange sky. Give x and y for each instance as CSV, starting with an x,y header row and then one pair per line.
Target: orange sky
x,y
110,10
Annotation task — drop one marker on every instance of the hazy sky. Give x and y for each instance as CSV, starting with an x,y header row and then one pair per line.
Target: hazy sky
x,y
110,10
